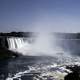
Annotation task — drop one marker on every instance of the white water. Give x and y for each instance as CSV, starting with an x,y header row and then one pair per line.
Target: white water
x,y
43,70
15,43
43,45
19,45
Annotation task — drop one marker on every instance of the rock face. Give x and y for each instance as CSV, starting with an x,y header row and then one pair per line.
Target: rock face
x,y
3,42
75,75
6,54
72,76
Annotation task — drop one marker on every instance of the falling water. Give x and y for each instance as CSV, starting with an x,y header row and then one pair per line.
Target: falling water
x,y
20,45
15,43
43,45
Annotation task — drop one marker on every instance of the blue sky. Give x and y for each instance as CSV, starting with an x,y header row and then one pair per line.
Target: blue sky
x,y
35,15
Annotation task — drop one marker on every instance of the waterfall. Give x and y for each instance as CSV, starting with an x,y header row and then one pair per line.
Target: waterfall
x,y
15,43
43,45
20,45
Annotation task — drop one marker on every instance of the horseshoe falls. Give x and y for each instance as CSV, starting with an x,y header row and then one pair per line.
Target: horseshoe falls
x,y
41,57
20,45
43,45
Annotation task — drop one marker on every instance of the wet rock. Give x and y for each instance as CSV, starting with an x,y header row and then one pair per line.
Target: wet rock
x,y
72,76
6,54
75,75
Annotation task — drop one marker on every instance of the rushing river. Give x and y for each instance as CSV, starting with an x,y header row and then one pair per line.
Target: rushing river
x,y
35,68
37,63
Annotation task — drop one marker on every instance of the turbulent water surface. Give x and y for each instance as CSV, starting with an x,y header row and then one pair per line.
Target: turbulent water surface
x,y
36,68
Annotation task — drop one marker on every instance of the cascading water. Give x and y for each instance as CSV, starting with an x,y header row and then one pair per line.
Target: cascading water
x,y
15,43
43,45
20,45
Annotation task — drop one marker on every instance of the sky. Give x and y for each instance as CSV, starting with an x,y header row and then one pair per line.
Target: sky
x,y
40,15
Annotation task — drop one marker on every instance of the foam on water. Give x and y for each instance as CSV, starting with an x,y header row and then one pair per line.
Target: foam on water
x,y
43,70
